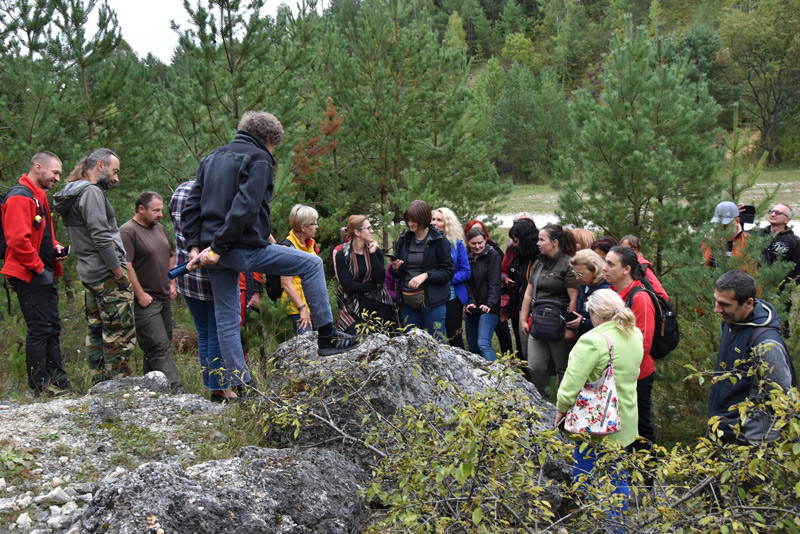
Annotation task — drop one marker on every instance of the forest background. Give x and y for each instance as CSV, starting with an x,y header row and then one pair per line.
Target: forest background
x,y
636,113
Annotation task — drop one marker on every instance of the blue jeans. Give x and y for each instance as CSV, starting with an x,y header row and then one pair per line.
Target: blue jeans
x,y
207,342
480,329
583,472
272,259
295,317
430,319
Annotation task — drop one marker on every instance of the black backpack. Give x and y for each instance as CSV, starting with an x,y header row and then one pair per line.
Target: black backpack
x,y
666,335
18,189
272,282
22,190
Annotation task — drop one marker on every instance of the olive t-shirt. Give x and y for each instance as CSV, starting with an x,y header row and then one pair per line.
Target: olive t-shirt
x,y
148,249
557,275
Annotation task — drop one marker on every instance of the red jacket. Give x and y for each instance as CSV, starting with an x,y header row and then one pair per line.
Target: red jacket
x,y
642,308
22,236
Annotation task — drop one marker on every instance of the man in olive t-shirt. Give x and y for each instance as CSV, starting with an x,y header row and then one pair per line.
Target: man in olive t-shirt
x,y
149,253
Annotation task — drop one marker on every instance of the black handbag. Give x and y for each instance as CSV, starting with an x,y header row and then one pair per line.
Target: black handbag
x,y
547,316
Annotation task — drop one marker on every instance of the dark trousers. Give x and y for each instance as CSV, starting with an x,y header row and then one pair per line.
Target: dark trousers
x,y
154,335
504,337
644,393
453,323
39,305
515,326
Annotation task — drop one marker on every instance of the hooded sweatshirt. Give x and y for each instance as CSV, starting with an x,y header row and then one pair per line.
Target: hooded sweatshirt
x,y
735,345
91,224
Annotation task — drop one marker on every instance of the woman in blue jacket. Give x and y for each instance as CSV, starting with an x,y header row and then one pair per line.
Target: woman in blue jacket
x,y
424,267
446,221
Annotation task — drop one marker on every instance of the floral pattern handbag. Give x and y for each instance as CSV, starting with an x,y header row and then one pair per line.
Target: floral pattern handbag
x,y
596,412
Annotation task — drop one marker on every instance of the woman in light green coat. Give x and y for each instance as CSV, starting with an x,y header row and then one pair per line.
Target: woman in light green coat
x,y
587,361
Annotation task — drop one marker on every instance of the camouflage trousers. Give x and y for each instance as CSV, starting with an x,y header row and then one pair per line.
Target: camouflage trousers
x,y
111,331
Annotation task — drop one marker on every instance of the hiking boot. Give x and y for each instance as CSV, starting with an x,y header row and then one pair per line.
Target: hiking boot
x,y
336,343
54,391
248,389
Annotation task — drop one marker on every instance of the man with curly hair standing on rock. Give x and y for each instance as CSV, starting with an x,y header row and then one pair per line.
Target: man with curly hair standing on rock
x,y
227,228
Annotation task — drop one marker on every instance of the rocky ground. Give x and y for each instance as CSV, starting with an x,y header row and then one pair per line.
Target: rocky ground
x,y
129,457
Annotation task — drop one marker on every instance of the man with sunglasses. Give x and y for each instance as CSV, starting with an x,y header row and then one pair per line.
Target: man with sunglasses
x,y
785,245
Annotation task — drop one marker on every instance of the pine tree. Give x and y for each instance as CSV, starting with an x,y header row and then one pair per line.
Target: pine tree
x,y
78,54
533,118
455,36
403,96
232,59
645,159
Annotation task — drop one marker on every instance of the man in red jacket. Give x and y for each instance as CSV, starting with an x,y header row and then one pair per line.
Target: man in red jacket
x,y
32,260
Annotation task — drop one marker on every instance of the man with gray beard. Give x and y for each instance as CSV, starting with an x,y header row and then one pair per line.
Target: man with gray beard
x,y
91,224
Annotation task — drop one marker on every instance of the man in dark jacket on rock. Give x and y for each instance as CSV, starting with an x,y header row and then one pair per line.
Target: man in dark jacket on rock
x,y
32,260
750,336
227,227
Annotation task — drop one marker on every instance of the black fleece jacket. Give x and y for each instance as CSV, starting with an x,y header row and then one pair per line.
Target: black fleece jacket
x,y
437,262
785,245
483,286
228,207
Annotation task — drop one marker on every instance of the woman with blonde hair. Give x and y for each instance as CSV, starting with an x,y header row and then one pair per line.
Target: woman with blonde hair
x,y
614,330
588,268
583,239
446,221
360,272
303,220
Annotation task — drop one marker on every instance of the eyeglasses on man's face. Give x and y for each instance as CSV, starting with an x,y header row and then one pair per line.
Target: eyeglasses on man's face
x,y
777,212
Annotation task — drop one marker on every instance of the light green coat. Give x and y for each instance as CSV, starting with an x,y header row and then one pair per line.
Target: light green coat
x,y
588,359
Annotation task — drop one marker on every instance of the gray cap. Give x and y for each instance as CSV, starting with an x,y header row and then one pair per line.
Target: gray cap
x,y
725,212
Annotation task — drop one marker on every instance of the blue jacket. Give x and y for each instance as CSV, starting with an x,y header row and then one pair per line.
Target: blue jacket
x,y
584,292
437,262
735,345
463,272
228,207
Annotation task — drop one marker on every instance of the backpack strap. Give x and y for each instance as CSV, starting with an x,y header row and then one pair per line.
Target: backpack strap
x,y
757,331
536,280
629,300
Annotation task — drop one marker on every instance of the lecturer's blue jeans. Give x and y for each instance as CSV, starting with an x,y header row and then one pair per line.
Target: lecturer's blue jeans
x,y
272,259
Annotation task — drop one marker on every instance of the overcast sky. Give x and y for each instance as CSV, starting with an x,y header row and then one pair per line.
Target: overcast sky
x,y
146,23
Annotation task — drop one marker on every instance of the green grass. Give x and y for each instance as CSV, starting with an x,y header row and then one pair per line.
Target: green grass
x,y
532,198
544,199
788,176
